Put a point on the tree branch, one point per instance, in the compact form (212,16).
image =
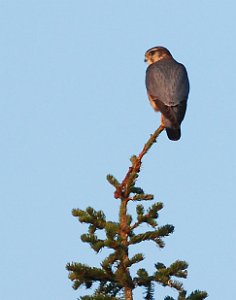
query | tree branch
(123,190)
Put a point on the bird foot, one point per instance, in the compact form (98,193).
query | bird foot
(162,121)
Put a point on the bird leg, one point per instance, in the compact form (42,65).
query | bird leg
(162,121)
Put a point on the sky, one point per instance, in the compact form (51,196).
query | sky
(73,108)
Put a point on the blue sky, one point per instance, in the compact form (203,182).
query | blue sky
(73,108)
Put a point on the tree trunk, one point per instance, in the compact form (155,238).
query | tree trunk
(128,293)
(124,229)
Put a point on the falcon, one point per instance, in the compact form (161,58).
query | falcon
(167,88)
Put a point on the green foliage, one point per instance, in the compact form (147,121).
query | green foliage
(99,297)
(196,295)
(113,181)
(113,278)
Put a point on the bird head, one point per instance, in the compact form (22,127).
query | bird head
(156,53)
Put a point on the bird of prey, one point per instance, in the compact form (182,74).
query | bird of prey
(167,87)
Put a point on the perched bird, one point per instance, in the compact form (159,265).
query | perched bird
(167,87)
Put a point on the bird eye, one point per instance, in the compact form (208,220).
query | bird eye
(152,53)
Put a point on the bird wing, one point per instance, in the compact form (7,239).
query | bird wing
(167,81)
(173,115)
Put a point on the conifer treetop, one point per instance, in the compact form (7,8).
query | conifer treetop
(113,279)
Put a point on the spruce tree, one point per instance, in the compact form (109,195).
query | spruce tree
(113,278)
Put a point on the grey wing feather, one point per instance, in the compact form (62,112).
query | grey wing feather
(167,81)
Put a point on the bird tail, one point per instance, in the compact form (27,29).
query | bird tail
(172,117)
(171,123)
(173,134)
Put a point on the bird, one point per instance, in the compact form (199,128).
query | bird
(167,86)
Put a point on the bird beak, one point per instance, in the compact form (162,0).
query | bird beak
(145,60)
